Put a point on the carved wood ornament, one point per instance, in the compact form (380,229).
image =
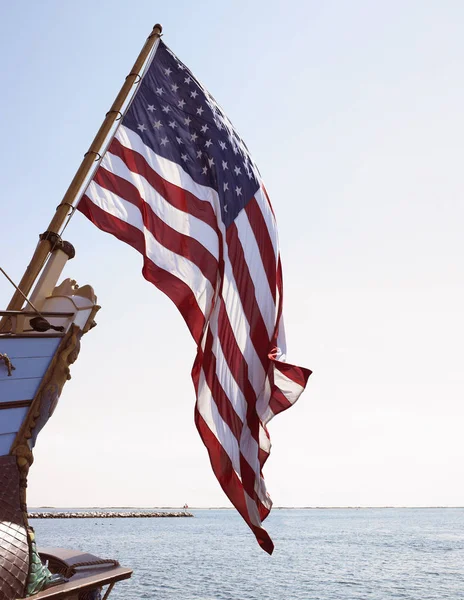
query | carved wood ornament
(15,539)
(43,406)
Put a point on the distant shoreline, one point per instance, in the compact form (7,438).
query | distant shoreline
(139,508)
(106,514)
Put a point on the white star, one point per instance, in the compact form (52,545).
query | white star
(238,171)
(204,129)
(235,150)
(151,107)
(157,124)
(193,94)
(181,67)
(219,125)
(141,127)
(179,140)
(181,103)
(224,165)
(200,111)
(226,186)
(238,191)
(168,71)
(187,121)
(159,91)
(225,207)
(199,153)
(187,80)
(164,141)
(174,88)
(193,137)
(172,124)
(204,170)
(223,145)
(166,109)
(208,143)
(184,157)
(211,161)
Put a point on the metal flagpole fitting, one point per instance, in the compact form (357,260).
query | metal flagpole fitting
(43,248)
(157,31)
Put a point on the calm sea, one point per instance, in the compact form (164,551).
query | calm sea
(320,554)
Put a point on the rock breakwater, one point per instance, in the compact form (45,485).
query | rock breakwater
(107,515)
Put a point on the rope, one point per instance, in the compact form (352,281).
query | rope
(70,216)
(8,363)
(37,323)
(23,295)
(91,563)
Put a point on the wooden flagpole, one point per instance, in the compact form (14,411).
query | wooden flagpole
(47,240)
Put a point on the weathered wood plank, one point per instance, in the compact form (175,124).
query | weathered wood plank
(15,404)
(81,582)
(18,389)
(5,443)
(25,368)
(29,347)
(11,419)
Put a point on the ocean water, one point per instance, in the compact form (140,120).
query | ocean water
(320,554)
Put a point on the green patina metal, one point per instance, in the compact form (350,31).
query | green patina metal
(39,577)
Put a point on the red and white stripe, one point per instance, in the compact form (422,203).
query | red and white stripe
(227,284)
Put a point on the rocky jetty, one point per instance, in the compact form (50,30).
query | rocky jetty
(107,515)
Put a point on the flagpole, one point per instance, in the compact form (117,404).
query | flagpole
(52,233)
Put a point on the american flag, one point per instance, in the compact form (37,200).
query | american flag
(179,185)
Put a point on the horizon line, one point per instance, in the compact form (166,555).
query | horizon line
(273,508)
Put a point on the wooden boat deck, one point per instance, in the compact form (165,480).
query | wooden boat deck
(81,577)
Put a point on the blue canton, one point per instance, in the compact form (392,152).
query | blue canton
(178,119)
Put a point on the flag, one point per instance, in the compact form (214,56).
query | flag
(179,185)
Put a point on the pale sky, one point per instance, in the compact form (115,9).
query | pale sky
(354,113)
